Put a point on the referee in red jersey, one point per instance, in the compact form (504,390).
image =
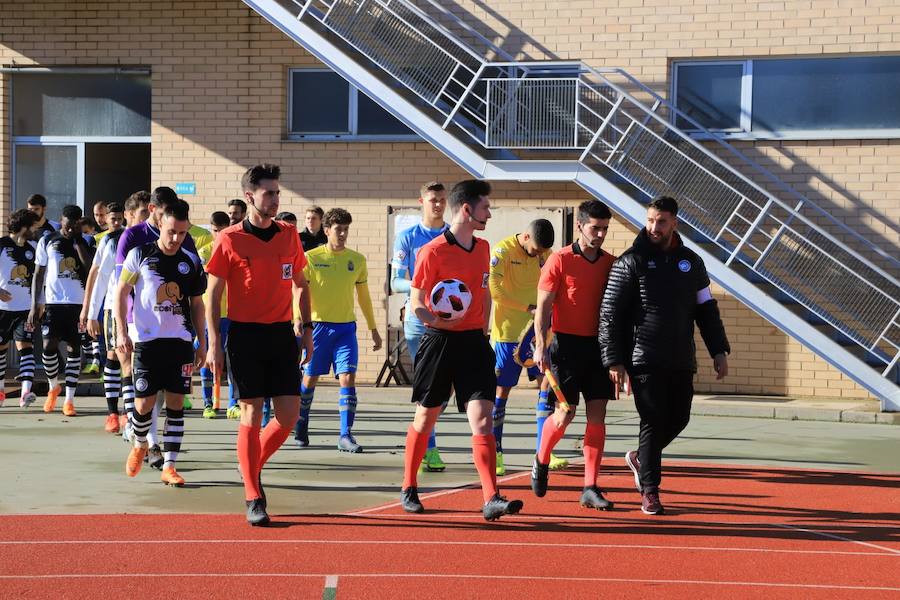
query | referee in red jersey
(456,354)
(261,261)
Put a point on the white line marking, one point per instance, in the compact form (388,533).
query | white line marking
(824,586)
(837,537)
(333,542)
(331,581)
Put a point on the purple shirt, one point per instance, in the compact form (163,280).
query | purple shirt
(138,235)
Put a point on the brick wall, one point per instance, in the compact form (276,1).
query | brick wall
(219,105)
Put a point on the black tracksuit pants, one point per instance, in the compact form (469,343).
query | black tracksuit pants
(663,401)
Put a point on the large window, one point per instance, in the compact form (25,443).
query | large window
(847,97)
(324,106)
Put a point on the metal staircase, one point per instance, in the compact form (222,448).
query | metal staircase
(783,256)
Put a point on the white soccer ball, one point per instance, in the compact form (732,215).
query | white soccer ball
(450,299)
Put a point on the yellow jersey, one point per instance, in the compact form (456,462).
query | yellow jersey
(201,237)
(513,283)
(333,277)
(205,253)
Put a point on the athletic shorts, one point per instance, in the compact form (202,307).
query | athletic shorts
(163,365)
(61,323)
(263,359)
(578,367)
(12,326)
(109,330)
(506,368)
(334,347)
(454,360)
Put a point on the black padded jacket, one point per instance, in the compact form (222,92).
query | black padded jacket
(650,306)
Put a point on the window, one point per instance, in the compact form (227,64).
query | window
(847,97)
(323,105)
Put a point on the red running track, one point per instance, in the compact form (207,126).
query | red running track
(730,531)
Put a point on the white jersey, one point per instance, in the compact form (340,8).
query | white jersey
(104,292)
(64,281)
(16,273)
(163,288)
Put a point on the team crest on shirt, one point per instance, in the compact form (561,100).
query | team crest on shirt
(484,279)
(495,260)
(400,255)
(684,266)
(187,370)
(350,266)
(287,271)
(45,330)
(29,254)
(184,268)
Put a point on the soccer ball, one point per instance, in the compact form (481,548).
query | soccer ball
(450,299)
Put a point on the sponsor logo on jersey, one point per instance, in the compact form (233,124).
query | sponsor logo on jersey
(350,266)
(19,275)
(168,296)
(68,268)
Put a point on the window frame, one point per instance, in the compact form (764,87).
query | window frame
(745,132)
(352,117)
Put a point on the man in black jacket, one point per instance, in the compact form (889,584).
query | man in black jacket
(657,290)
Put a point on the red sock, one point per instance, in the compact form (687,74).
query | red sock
(416,445)
(272,438)
(248,450)
(484,453)
(594,438)
(549,439)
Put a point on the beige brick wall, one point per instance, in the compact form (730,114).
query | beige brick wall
(219,105)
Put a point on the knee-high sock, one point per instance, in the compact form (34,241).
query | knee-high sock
(549,438)
(173,433)
(542,410)
(499,416)
(112,384)
(484,454)
(140,425)
(248,452)
(51,367)
(95,352)
(272,438)
(73,369)
(128,395)
(26,369)
(594,439)
(347,407)
(416,444)
(3,354)
(432,438)
(153,434)
(85,346)
(206,385)
(306,400)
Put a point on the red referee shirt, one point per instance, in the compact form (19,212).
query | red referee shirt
(579,285)
(259,273)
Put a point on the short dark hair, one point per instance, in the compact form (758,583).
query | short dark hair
(21,218)
(163,196)
(137,200)
(468,192)
(593,209)
(115,207)
(253,175)
(72,212)
(219,219)
(337,216)
(103,203)
(315,209)
(238,202)
(178,209)
(431,186)
(541,230)
(286,216)
(36,200)
(665,204)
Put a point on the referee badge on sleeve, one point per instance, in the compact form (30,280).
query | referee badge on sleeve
(484,279)
(287,271)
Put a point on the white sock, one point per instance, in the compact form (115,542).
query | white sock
(26,386)
(153,434)
(70,394)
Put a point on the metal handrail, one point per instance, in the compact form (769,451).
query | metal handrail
(742,217)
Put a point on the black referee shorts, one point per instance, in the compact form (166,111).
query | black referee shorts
(576,363)
(263,358)
(454,360)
